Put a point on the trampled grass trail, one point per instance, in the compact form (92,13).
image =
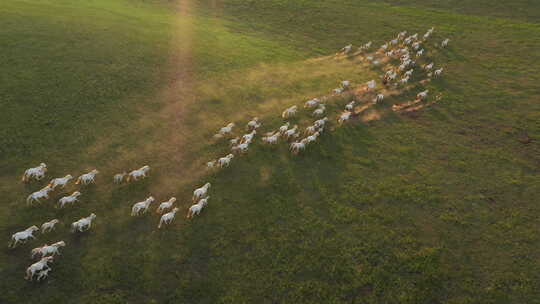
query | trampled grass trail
(177,93)
(166,147)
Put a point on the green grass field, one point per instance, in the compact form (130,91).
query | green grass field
(438,206)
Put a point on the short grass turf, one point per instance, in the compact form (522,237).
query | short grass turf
(436,207)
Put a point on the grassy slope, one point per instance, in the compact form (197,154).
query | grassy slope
(526,10)
(437,208)
(464,164)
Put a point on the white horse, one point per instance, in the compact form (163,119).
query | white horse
(346,49)
(83,224)
(70,199)
(225,130)
(422,95)
(296,147)
(344,117)
(289,112)
(46,250)
(291,132)
(311,103)
(321,122)
(271,139)
(201,192)
(38,195)
(319,111)
(49,226)
(350,106)
(438,72)
(371,84)
(247,138)
(225,161)
(142,206)
(166,205)
(284,128)
(234,141)
(38,266)
(60,181)
(167,218)
(196,209)
(119,178)
(36,173)
(445,42)
(211,164)
(139,173)
(428,67)
(23,236)
(87,178)
(253,124)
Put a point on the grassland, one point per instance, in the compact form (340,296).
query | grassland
(436,207)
